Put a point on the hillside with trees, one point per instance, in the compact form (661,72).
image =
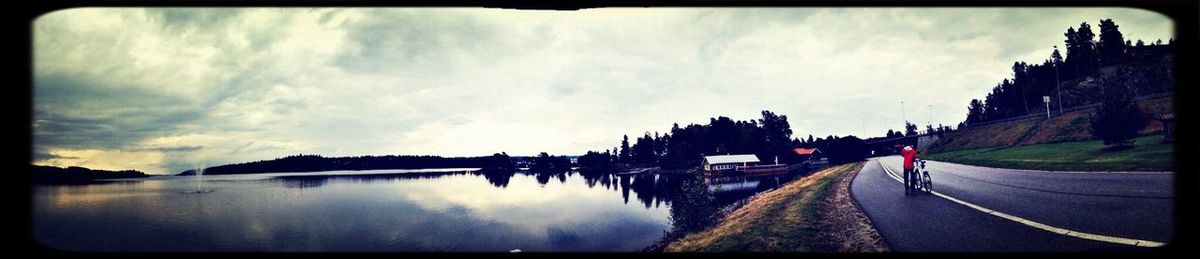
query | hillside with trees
(316,163)
(1090,65)
(75,174)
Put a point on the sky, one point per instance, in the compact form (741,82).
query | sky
(162,90)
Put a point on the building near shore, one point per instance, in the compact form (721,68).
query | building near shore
(808,153)
(811,156)
(729,162)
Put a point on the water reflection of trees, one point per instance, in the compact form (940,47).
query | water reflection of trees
(650,190)
(693,200)
(313,181)
(497,178)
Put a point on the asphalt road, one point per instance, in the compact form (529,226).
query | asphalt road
(1126,205)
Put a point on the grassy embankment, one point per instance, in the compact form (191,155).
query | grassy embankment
(1148,154)
(806,215)
(1061,143)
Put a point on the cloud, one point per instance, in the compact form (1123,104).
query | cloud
(167,89)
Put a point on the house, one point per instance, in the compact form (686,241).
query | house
(811,155)
(729,162)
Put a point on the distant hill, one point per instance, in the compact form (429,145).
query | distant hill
(75,174)
(1069,127)
(315,163)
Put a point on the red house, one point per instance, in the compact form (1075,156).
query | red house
(810,155)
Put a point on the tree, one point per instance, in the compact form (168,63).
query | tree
(910,129)
(1081,50)
(500,162)
(777,133)
(974,112)
(1072,48)
(624,155)
(1112,43)
(846,149)
(660,144)
(1118,119)
(643,151)
(1020,70)
(595,162)
(1056,57)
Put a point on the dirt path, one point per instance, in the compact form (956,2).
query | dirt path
(848,228)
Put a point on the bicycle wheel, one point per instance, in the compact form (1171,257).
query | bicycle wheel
(927,182)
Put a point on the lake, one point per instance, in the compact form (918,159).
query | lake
(382,211)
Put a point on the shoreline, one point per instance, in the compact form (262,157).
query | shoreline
(813,214)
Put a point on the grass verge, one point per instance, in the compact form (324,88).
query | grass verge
(802,216)
(1148,154)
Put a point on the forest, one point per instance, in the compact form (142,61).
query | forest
(1091,65)
(769,138)
(315,163)
(75,174)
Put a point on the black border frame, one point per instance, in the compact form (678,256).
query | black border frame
(1183,12)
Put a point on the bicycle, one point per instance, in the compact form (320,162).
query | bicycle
(923,182)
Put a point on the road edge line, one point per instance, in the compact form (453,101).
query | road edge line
(1035,224)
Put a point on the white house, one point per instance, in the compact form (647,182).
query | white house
(728,162)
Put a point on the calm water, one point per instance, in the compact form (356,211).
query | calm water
(383,210)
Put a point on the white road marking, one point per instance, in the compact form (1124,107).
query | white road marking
(1035,224)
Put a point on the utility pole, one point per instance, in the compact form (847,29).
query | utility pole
(885,122)
(1058,84)
(864,126)
(1100,72)
(930,121)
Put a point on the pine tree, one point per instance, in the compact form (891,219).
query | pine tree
(1118,119)
(624,156)
(1112,43)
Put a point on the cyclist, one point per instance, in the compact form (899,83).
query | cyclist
(910,155)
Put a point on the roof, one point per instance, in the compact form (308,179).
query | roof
(806,151)
(726,159)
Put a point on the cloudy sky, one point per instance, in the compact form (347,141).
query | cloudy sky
(163,90)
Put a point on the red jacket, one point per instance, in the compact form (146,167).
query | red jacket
(909,154)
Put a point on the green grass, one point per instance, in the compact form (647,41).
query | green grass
(1068,127)
(781,220)
(1148,154)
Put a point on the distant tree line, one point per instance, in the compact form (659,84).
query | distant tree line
(840,149)
(911,130)
(1076,77)
(769,138)
(75,174)
(544,162)
(315,163)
